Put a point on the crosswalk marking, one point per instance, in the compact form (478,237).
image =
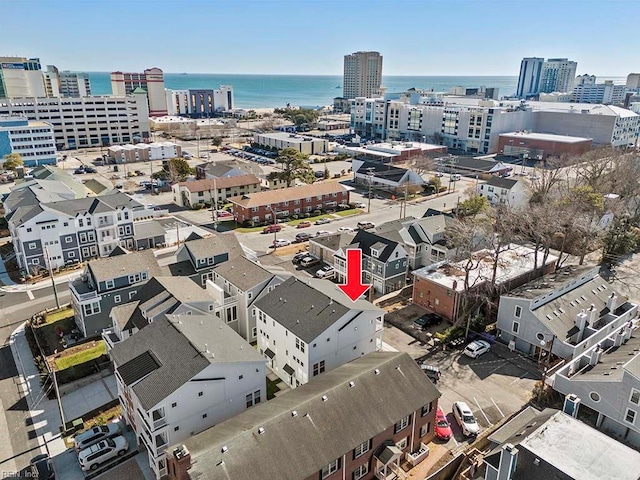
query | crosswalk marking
(30,295)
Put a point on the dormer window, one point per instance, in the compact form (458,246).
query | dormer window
(375,253)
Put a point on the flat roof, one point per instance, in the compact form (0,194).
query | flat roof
(546,137)
(290,137)
(613,361)
(553,281)
(514,262)
(580,451)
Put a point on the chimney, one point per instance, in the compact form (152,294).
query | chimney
(618,338)
(612,302)
(596,353)
(571,405)
(593,315)
(581,321)
(508,462)
(627,331)
(179,462)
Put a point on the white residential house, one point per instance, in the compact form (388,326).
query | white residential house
(73,230)
(308,327)
(504,192)
(243,282)
(565,313)
(181,375)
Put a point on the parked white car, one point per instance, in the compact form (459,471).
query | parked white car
(325,272)
(345,229)
(477,348)
(91,457)
(465,419)
(95,434)
(360,205)
(281,242)
(321,233)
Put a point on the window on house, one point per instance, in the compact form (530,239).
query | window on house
(402,424)
(635,396)
(253,399)
(32,246)
(109,284)
(630,416)
(426,409)
(254,332)
(132,294)
(515,327)
(318,368)
(204,415)
(402,444)
(361,471)
(117,299)
(175,429)
(361,449)
(330,469)
(200,394)
(518,312)
(174,405)
(425,429)
(91,308)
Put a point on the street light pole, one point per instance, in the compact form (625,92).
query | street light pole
(370,173)
(275,230)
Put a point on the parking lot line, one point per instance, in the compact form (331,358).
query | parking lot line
(482,411)
(497,407)
(519,378)
(30,295)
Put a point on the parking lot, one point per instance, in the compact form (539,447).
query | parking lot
(494,385)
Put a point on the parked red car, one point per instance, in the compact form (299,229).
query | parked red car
(443,427)
(304,224)
(272,228)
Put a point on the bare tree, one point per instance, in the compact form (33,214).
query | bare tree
(549,176)
(421,164)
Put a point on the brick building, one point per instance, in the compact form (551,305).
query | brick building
(188,194)
(542,145)
(260,207)
(441,287)
(359,422)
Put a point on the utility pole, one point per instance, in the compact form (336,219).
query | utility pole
(214,205)
(53,281)
(370,174)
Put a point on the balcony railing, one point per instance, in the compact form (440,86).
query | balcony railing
(159,424)
(230,300)
(82,294)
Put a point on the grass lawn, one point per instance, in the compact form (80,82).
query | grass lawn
(272,389)
(59,315)
(248,229)
(81,354)
(351,211)
(49,340)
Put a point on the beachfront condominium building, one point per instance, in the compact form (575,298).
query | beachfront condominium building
(199,103)
(66,84)
(151,81)
(362,74)
(587,90)
(529,79)
(558,75)
(21,77)
(86,121)
(633,81)
(33,140)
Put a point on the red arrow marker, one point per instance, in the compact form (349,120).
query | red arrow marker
(354,287)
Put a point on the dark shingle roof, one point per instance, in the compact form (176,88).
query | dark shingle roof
(366,240)
(243,273)
(335,241)
(180,348)
(150,229)
(104,203)
(307,308)
(386,387)
(383,170)
(501,182)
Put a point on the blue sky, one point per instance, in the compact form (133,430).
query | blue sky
(447,37)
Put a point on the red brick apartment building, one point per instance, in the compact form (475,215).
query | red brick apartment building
(261,206)
(358,421)
(441,288)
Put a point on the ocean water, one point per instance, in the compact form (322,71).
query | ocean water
(267,91)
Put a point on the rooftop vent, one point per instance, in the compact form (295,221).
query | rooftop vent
(324,398)
(294,414)
(352,384)
(260,430)
(376,371)
(224,449)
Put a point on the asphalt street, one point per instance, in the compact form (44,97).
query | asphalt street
(19,443)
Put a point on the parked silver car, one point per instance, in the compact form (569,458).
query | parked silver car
(91,457)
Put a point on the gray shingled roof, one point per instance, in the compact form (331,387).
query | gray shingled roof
(121,314)
(296,447)
(178,345)
(149,229)
(104,203)
(334,242)
(122,265)
(243,273)
(214,245)
(307,308)
(366,240)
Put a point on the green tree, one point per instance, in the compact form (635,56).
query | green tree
(13,161)
(299,116)
(216,141)
(327,173)
(294,165)
(435,183)
(472,206)
(175,170)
